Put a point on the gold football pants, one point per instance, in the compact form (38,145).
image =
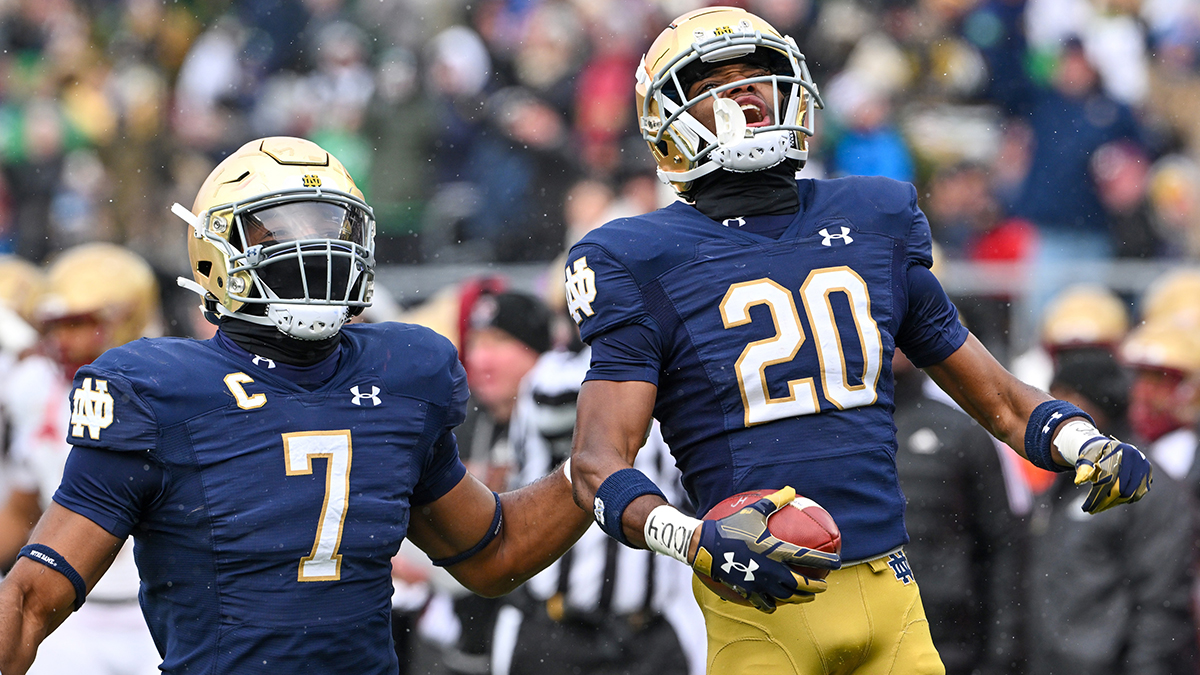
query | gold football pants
(869,622)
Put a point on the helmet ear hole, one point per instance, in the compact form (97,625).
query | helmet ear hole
(204,267)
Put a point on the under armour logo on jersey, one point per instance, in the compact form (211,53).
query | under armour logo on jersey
(827,239)
(739,221)
(731,564)
(581,290)
(373,397)
(93,408)
(1046,429)
(259,359)
(899,564)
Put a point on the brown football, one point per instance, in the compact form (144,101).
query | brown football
(802,522)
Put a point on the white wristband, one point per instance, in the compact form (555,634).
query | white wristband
(1072,436)
(566,467)
(669,532)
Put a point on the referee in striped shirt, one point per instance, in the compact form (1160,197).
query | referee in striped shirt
(602,608)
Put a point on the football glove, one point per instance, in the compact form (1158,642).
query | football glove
(1119,474)
(740,552)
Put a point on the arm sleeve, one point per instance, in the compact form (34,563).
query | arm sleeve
(919,248)
(111,489)
(930,331)
(443,469)
(602,294)
(108,413)
(630,352)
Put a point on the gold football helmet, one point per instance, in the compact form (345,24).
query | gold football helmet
(102,281)
(1085,314)
(1163,345)
(1175,296)
(683,147)
(21,285)
(282,237)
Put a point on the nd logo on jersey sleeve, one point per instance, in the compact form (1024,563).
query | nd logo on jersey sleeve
(92,409)
(581,289)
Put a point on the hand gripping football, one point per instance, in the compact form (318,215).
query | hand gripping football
(802,522)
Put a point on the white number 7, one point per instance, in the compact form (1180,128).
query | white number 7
(299,449)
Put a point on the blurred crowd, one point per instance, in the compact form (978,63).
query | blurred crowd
(1037,131)
(499,130)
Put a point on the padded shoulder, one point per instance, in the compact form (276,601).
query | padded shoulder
(157,359)
(649,244)
(874,204)
(412,361)
(116,400)
(608,269)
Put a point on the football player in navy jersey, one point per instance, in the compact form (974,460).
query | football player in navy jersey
(268,475)
(756,320)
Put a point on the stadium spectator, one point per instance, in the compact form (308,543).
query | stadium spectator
(1121,170)
(1164,401)
(508,332)
(1070,121)
(1128,610)
(961,531)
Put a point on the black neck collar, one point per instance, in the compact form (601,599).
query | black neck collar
(723,194)
(267,341)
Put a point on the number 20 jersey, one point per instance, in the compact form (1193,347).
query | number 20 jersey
(267,548)
(775,360)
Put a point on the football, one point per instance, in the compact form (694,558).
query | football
(802,522)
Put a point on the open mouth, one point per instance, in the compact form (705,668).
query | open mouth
(756,111)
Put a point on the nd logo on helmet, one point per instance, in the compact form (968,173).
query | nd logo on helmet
(312,180)
(93,409)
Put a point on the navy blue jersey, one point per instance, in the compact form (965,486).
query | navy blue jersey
(774,361)
(265,546)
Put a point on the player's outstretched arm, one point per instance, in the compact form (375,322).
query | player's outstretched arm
(1049,433)
(535,526)
(36,596)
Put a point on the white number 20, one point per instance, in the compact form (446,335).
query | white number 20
(789,337)
(324,563)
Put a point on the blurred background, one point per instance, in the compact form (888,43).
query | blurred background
(491,134)
(1055,146)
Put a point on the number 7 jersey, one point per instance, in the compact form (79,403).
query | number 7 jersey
(265,533)
(772,357)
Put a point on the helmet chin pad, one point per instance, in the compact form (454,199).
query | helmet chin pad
(762,151)
(307,322)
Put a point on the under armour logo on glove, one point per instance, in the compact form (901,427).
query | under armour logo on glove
(827,238)
(373,397)
(731,564)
